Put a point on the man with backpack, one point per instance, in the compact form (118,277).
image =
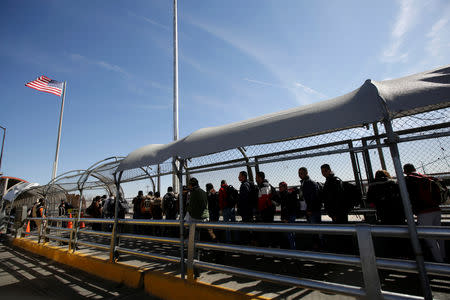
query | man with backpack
(137,209)
(146,206)
(227,201)
(334,196)
(309,192)
(169,204)
(247,198)
(425,197)
(38,211)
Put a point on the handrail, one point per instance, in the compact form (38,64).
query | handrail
(329,229)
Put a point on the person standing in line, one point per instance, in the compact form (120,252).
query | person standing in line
(245,203)
(137,201)
(227,208)
(169,204)
(334,197)
(309,192)
(425,199)
(156,210)
(169,208)
(213,203)
(266,207)
(289,208)
(384,195)
(266,210)
(197,208)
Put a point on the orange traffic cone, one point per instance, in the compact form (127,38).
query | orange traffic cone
(28,228)
(82,225)
(70,224)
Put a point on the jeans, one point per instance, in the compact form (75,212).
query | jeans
(436,247)
(316,218)
(229,215)
(291,235)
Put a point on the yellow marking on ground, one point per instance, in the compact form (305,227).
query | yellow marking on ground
(154,282)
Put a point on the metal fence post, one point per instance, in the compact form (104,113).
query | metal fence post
(191,251)
(180,182)
(355,166)
(112,248)
(367,161)
(247,162)
(380,150)
(368,262)
(77,223)
(393,147)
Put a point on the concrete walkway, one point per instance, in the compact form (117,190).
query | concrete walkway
(27,276)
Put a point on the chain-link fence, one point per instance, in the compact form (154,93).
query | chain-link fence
(353,154)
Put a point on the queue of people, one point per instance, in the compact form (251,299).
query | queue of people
(257,202)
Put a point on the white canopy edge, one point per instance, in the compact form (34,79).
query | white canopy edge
(18,189)
(372,102)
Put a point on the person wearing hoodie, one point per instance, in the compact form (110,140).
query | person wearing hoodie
(266,207)
(334,196)
(265,210)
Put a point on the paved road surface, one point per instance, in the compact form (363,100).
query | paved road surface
(27,276)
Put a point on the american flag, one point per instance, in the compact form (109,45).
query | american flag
(45,84)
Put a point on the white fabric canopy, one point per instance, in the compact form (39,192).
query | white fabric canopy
(373,101)
(19,188)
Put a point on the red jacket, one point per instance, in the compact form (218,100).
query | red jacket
(223,196)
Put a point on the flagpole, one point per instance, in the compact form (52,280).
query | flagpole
(55,163)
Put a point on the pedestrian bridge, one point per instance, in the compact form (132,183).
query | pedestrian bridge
(359,260)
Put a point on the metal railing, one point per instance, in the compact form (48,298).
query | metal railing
(364,233)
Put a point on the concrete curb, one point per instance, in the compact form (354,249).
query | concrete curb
(153,282)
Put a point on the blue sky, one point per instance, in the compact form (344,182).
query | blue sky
(237,60)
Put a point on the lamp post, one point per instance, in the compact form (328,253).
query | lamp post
(3,144)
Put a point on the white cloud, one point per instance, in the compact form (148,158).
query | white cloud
(136,85)
(439,37)
(153,106)
(260,53)
(264,83)
(212,102)
(150,21)
(405,21)
(310,90)
(294,86)
(100,63)
(111,67)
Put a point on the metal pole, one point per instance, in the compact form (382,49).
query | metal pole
(355,166)
(77,223)
(380,150)
(175,90)
(180,178)
(117,178)
(392,141)
(159,178)
(3,144)
(55,163)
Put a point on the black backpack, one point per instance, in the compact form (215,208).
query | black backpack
(254,192)
(169,203)
(232,196)
(352,195)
